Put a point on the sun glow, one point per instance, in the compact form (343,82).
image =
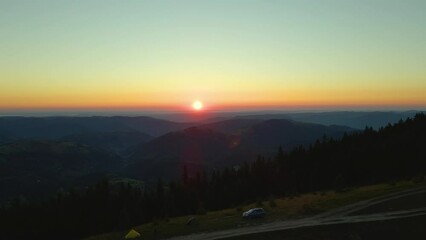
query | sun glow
(197,105)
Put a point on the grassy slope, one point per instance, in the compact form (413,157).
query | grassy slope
(286,208)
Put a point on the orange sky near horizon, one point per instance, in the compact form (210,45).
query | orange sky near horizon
(238,100)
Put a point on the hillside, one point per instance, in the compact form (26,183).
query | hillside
(268,135)
(231,126)
(115,142)
(43,166)
(196,148)
(222,144)
(392,154)
(353,119)
(40,168)
(58,127)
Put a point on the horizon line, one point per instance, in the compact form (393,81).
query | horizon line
(136,112)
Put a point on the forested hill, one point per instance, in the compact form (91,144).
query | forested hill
(34,169)
(391,153)
(222,144)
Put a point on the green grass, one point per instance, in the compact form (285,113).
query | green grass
(286,208)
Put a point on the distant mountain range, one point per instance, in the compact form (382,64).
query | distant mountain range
(43,154)
(57,127)
(353,119)
(358,120)
(14,128)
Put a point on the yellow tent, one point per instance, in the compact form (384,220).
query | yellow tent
(132,234)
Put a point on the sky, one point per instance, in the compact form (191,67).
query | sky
(83,54)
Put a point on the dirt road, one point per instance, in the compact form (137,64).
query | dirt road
(344,215)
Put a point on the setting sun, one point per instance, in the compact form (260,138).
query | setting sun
(197,105)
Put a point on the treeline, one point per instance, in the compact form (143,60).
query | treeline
(392,153)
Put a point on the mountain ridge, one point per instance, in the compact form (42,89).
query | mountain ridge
(202,148)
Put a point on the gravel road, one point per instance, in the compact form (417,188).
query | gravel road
(343,215)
